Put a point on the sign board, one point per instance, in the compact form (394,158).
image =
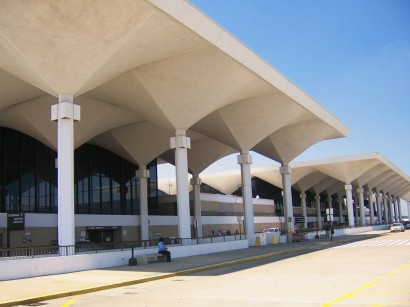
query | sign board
(299,219)
(15,221)
(329,211)
(330,218)
(240,219)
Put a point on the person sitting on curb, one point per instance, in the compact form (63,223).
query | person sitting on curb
(162,249)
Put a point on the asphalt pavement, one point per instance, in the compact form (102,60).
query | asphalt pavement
(33,290)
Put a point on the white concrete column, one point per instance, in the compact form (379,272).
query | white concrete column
(393,208)
(329,202)
(371,208)
(318,214)
(245,160)
(408,208)
(386,213)
(285,171)
(196,184)
(181,143)
(393,213)
(399,208)
(65,113)
(143,174)
(379,199)
(304,209)
(340,209)
(360,192)
(349,203)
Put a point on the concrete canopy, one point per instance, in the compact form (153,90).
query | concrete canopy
(142,69)
(370,171)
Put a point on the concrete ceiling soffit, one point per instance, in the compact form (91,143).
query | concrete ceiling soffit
(402,191)
(406,197)
(155,38)
(126,91)
(143,141)
(378,182)
(15,91)
(335,187)
(309,181)
(299,172)
(204,151)
(81,35)
(245,123)
(190,86)
(98,117)
(392,185)
(33,118)
(225,183)
(347,171)
(270,175)
(368,176)
(324,184)
(12,62)
(186,14)
(291,140)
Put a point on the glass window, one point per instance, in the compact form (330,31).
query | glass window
(117,185)
(105,166)
(28,195)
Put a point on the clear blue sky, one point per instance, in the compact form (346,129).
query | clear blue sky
(351,56)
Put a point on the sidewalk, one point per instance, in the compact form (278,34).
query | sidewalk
(31,290)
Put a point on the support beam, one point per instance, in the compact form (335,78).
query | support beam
(349,202)
(285,171)
(371,207)
(304,209)
(360,192)
(65,113)
(245,161)
(181,143)
(196,184)
(318,213)
(143,175)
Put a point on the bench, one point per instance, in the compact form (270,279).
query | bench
(147,258)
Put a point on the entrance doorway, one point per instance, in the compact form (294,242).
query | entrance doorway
(103,234)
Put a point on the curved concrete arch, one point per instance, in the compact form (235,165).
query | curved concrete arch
(309,181)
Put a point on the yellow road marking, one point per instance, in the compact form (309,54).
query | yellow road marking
(68,303)
(368,285)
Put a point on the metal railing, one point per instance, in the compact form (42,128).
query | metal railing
(93,248)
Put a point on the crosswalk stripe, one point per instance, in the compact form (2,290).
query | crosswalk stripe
(376,243)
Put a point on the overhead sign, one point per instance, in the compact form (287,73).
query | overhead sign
(15,221)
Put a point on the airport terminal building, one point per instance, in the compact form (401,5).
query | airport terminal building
(95,95)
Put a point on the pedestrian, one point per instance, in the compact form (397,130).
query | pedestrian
(327,229)
(162,249)
(332,232)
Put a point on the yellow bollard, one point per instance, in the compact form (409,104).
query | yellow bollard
(274,241)
(258,241)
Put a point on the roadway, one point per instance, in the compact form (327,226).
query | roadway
(366,270)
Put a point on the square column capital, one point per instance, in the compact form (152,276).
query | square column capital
(196,181)
(180,141)
(142,173)
(65,110)
(245,158)
(285,170)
